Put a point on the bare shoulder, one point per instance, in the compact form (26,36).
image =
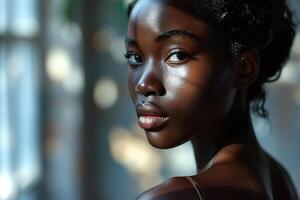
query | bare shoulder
(175,188)
(212,188)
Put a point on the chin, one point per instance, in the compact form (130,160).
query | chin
(161,141)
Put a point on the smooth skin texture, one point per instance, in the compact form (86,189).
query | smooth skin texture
(179,65)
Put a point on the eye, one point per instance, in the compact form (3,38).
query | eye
(178,57)
(133,58)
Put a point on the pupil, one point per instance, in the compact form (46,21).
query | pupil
(137,58)
(181,56)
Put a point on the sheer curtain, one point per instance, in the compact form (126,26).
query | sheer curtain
(19,98)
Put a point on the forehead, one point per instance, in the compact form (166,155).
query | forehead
(157,16)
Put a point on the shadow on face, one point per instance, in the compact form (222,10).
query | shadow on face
(179,77)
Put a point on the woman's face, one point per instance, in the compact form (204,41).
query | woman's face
(179,78)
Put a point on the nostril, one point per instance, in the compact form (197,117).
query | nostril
(149,93)
(144,89)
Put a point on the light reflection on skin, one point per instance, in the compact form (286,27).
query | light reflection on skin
(152,16)
(148,72)
(176,77)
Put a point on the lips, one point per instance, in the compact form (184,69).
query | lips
(150,117)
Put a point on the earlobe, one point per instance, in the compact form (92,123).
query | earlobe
(247,68)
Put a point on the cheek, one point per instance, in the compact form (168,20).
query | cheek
(187,87)
(132,79)
(199,95)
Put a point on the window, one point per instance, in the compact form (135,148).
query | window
(20,68)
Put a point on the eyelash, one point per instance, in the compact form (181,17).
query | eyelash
(129,55)
(179,52)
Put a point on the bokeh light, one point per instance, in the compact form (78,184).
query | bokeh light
(134,153)
(106,40)
(58,64)
(105,93)
(70,34)
(103,39)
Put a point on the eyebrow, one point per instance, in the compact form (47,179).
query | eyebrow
(167,35)
(178,33)
(130,41)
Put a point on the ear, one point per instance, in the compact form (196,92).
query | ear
(247,68)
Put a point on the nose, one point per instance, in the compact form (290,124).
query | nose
(150,82)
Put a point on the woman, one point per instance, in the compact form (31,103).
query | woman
(197,70)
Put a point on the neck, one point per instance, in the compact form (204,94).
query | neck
(234,131)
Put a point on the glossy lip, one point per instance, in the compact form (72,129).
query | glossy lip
(151,118)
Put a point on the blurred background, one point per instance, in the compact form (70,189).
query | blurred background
(68,130)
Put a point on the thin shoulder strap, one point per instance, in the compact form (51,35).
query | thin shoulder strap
(196,186)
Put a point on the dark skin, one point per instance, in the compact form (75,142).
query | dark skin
(179,66)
